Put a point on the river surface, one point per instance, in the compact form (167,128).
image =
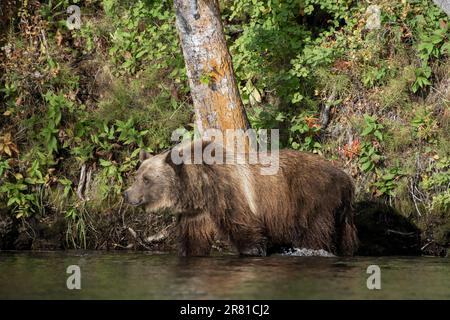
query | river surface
(141,275)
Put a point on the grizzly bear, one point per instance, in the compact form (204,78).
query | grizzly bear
(306,204)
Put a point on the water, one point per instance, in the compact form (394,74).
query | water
(140,275)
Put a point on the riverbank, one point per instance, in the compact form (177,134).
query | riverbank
(381,230)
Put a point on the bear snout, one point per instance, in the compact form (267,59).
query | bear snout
(130,199)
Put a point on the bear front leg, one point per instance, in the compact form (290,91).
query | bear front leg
(249,241)
(258,251)
(195,234)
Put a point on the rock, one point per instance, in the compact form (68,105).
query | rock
(373,14)
(444,5)
(382,231)
(8,231)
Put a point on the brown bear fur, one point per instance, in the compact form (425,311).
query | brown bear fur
(307,204)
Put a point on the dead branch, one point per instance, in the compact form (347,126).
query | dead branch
(326,110)
(82,182)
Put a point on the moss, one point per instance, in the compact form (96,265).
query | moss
(394,94)
(403,201)
(333,83)
(442,232)
(397,139)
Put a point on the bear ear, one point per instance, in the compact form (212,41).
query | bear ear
(144,155)
(170,162)
(175,156)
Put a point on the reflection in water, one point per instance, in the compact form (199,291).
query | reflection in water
(238,277)
(131,275)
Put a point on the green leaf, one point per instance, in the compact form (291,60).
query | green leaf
(378,135)
(389,176)
(105,163)
(366,166)
(367,131)
(11,201)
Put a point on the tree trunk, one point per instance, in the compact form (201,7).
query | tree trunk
(214,91)
(444,5)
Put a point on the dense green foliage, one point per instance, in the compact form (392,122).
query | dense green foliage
(93,97)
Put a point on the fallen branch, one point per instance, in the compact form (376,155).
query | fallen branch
(82,182)
(160,236)
(87,183)
(406,234)
(326,110)
(133,233)
(129,246)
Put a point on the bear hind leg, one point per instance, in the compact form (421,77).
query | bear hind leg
(347,235)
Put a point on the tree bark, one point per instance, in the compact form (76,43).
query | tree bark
(213,85)
(444,5)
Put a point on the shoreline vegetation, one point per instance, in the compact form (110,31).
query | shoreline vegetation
(76,107)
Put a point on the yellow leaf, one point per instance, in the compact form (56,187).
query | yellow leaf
(7,151)
(18,176)
(59,38)
(43,49)
(7,113)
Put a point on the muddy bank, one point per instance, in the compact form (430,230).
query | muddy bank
(111,230)
(382,232)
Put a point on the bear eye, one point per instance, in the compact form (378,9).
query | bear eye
(146,180)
